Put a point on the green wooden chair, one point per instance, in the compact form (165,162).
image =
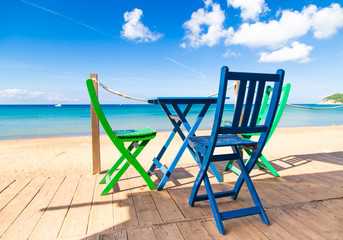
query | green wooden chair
(138,138)
(263,163)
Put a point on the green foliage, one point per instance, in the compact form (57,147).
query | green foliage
(337,98)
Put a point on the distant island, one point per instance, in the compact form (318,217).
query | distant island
(333,99)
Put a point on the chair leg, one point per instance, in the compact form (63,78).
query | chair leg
(202,176)
(214,206)
(269,166)
(115,166)
(130,160)
(133,161)
(229,166)
(264,164)
(249,166)
(197,181)
(114,180)
(252,191)
(112,170)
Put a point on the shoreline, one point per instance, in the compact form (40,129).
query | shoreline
(61,156)
(104,134)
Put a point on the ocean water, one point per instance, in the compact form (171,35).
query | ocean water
(34,121)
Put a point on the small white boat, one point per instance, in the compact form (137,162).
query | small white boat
(58,105)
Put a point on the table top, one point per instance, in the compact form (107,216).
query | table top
(183,100)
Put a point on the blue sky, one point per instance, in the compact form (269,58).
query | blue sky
(165,48)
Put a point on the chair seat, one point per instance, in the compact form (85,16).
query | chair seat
(201,143)
(139,134)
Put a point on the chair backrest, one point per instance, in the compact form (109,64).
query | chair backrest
(282,105)
(95,102)
(248,104)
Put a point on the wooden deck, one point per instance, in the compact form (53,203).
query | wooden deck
(305,203)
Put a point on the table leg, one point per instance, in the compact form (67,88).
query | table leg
(170,138)
(195,126)
(191,132)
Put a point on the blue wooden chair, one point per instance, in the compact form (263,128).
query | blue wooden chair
(245,120)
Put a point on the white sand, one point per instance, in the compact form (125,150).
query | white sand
(73,155)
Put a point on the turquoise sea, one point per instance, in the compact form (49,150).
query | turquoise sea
(34,121)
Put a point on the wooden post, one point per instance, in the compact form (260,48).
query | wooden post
(95,132)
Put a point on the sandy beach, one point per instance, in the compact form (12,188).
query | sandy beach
(29,158)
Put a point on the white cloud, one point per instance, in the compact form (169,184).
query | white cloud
(250,9)
(23,94)
(274,33)
(230,53)
(134,29)
(291,25)
(326,21)
(297,52)
(206,27)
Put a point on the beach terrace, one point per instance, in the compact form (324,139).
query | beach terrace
(45,199)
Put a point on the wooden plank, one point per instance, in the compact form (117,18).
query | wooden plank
(269,194)
(325,229)
(76,221)
(5,184)
(101,214)
(114,236)
(288,188)
(312,187)
(167,232)
(52,219)
(141,234)
(326,213)
(242,229)
(95,237)
(95,132)
(211,228)
(23,226)
(272,231)
(123,208)
(181,198)
(292,225)
(13,209)
(330,181)
(11,191)
(279,190)
(335,204)
(166,206)
(145,206)
(193,230)
(183,179)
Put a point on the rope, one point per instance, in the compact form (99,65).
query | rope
(214,94)
(320,108)
(139,99)
(118,93)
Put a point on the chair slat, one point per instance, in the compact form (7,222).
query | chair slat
(229,130)
(257,104)
(248,104)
